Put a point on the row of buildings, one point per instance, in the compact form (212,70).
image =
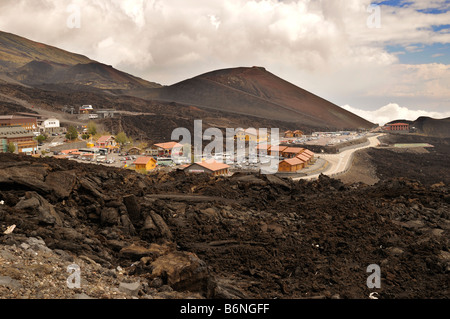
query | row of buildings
(251,135)
(156,150)
(21,129)
(211,167)
(397,127)
(294,159)
(293,134)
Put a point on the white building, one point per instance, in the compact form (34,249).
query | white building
(50,125)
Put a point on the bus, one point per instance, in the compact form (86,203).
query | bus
(165,161)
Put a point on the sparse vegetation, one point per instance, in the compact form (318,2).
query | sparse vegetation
(72,133)
(122,139)
(11,148)
(92,128)
(41,138)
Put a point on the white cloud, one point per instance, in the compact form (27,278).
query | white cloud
(393,112)
(325,46)
(412,81)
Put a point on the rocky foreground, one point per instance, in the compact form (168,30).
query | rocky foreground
(248,236)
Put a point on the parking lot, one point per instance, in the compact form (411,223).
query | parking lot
(324,140)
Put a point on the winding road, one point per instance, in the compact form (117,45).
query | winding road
(338,163)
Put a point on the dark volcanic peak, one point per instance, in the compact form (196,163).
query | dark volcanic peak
(34,63)
(429,126)
(433,127)
(257,92)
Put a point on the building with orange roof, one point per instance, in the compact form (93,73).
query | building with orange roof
(210,167)
(146,163)
(107,142)
(263,149)
(304,157)
(309,154)
(277,148)
(66,152)
(291,165)
(76,153)
(165,149)
(291,152)
(60,156)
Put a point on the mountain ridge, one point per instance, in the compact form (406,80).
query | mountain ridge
(249,91)
(255,91)
(34,63)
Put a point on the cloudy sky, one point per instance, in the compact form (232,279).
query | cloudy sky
(383,60)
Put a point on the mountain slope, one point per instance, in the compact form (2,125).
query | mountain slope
(241,91)
(34,63)
(256,92)
(17,51)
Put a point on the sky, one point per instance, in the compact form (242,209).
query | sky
(382,60)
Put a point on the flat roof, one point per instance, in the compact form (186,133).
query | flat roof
(29,115)
(15,131)
(16,117)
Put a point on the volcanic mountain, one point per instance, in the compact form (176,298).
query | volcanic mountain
(257,92)
(238,92)
(34,63)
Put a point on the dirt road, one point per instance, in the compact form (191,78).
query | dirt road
(338,163)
